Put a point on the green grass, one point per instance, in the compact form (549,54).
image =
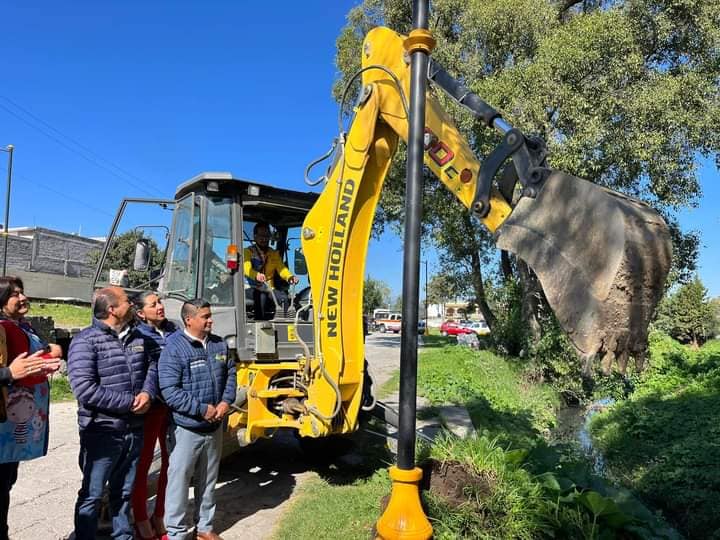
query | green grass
(436,340)
(514,506)
(60,389)
(528,489)
(64,315)
(348,509)
(664,441)
(389,387)
(323,510)
(500,401)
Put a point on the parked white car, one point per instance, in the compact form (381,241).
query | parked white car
(479,327)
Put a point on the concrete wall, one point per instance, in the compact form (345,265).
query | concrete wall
(52,252)
(52,264)
(19,253)
(43,285)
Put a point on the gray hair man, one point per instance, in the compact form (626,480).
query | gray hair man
(114,381)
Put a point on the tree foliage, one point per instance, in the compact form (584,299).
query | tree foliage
(715,305)
(441,290)
(625,93)
(687,314)
(376,294)
(121,256)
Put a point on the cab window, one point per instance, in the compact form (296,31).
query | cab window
(217,278)
(182,268)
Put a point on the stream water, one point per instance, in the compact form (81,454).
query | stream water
(574,427)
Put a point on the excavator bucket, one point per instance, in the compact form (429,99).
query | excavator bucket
(602,259)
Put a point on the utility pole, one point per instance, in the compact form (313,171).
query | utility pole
(427,326)
(9,149)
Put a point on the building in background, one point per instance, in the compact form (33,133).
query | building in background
(52,264)
(453,311)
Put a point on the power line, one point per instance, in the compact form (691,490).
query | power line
(74,141)
(87,154)
(63,195)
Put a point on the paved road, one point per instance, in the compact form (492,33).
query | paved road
(255,487)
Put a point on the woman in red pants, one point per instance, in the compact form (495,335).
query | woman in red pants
(153,324)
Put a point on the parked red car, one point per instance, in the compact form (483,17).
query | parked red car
(452,328)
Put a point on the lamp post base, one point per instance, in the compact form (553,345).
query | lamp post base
(404,518)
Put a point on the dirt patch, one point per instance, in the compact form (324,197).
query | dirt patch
(455,482)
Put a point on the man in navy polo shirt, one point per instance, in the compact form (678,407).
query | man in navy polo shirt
(197,381)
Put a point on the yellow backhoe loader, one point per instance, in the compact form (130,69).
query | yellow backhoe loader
(602,257)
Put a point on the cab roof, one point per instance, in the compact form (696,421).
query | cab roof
(224,183)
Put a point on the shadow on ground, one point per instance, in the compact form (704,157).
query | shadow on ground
(258,477)
(510,427)
(262,475)
(385,340)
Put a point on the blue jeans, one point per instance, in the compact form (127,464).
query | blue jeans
(193,456)
(106,457)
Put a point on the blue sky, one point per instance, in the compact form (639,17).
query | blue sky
(145,95)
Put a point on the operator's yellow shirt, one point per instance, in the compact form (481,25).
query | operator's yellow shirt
(268,263)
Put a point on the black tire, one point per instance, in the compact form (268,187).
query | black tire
(381,328)
(443,333)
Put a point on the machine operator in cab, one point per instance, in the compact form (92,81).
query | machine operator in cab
(261,264)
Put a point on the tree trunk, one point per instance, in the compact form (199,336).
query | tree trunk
(531,300)
(565,7)
(506,266)
(479,289)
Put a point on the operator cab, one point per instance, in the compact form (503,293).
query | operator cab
(211,230)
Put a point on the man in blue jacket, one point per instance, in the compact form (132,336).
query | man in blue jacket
(114,382)
(197,381)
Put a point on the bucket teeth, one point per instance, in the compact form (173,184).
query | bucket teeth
(607,362)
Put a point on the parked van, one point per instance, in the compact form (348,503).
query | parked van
(390,322)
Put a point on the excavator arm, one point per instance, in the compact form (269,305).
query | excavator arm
(601,257)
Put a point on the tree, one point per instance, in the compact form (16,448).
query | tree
(625,94)
(443,288)
(376,294)
(121,256)
(687,315)
(439,290)
(715,305)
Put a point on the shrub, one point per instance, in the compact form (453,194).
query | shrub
(509,332)
(554,356)
(662,442)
